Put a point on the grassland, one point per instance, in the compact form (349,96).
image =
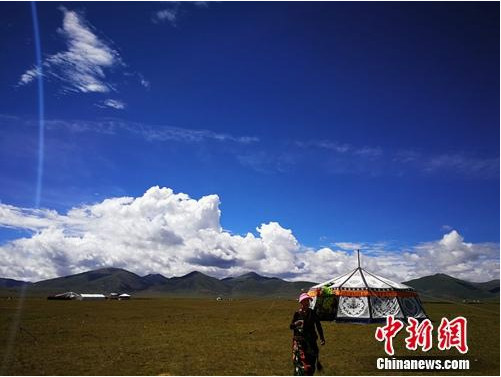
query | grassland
(205,337)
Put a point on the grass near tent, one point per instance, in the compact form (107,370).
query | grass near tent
(205,337)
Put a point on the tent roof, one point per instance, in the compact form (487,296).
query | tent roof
(68,294)
(364,297)
(360,278)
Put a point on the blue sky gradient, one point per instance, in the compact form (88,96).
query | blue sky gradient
(345,122)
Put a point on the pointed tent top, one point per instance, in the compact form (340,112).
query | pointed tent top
(360,278)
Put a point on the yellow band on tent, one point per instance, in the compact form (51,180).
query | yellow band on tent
(362,293)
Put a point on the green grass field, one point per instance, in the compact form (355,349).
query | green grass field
(205,337)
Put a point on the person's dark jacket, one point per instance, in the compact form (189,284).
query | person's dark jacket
(307,331)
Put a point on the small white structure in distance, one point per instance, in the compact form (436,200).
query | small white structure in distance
(124,296)
(91,296)
(65,296)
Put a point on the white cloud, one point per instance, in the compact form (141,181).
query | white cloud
(81,67)
(147,131)
(459,163)
(451,255)
(325,144)
(201,4)
(373,160)
(169,15)
(267,162)
(348,245)
(29,75)
(113,103)
(145,83)
(369,152)
(467,165)
(26,218)
(341,148)
(173,234)
(115,126)
(446,228)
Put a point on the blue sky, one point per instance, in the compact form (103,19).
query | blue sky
(375,124)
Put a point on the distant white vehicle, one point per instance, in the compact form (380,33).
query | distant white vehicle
(124,296)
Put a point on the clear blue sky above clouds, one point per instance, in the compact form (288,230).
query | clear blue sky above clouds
(341,121)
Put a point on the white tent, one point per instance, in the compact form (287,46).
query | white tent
(362,296)
(92,296)
(65,296)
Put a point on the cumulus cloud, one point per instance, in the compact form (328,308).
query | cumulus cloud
(26,218)
(453,256)
(173,234)
(82,66)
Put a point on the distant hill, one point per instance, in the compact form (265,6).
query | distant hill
(247,285)
(491,286)
(442,286)
(11,283)
(252,284)
(155,279)
(194,284)
(197,284)
(105,280)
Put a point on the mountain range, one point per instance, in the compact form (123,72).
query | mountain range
(197,284)
(442,286)
(194,284)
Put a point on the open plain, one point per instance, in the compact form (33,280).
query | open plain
(192,336)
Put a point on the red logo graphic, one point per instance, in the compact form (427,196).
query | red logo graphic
(420,334)
(388,332)
(452,334)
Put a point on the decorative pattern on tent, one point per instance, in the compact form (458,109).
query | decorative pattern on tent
(361,296)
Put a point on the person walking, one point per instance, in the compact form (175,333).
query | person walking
(304,341)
